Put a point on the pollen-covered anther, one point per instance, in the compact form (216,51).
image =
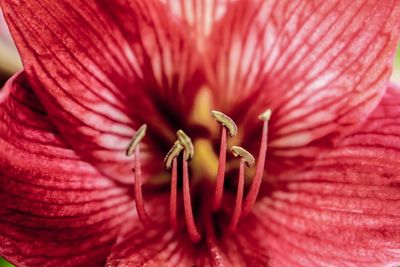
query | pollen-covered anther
(226,121)
(172,154)
(140,133)
(227,124)
(187,144)
(238,151)
(246,158)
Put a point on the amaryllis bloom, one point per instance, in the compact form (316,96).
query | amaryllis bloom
(205,88)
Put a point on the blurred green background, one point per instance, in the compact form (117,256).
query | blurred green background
(4,263)
(395,78)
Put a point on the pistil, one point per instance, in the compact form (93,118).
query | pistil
(257,179)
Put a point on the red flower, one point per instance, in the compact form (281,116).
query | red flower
(95,71)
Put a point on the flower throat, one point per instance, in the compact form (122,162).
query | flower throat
(183,148)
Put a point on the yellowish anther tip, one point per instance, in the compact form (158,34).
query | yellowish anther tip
(187,144)
(226,121)
(266,115)
(238,151)
(172,154)
(140,133)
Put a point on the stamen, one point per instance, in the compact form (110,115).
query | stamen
(239,198)
(173,196)
(248,159)
(257,179)
(172,154)
(226,121)
(194,234)
(238,151)
(140,133)
(143,216)
(229,124)
(186,142)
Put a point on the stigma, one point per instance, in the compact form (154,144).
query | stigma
(180,155)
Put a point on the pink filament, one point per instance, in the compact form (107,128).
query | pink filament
(173,196)
(255,185)
(239,198)
(219,187)
(143,216)
(187,203)
(216,258)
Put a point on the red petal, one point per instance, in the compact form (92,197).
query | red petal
(199,15)
(320,66)
(56,210)
(345,210)
(160,245)
(103,69)
(157,244)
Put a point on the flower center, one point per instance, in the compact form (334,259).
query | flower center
(204,163)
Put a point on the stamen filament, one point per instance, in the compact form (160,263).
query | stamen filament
(143,216)
(219,186)
(173,196)
(257,179)
(194,234)
(239,198)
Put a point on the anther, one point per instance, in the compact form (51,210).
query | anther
(172,154)
(140,133)
(186,142)
(257,179)
(238,151)
(248,159)
(227,123)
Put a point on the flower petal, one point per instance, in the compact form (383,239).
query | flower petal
(344,210)
(199,15)
(160,245)
(320,66)
(56,210)
(153,245)
(103,69)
